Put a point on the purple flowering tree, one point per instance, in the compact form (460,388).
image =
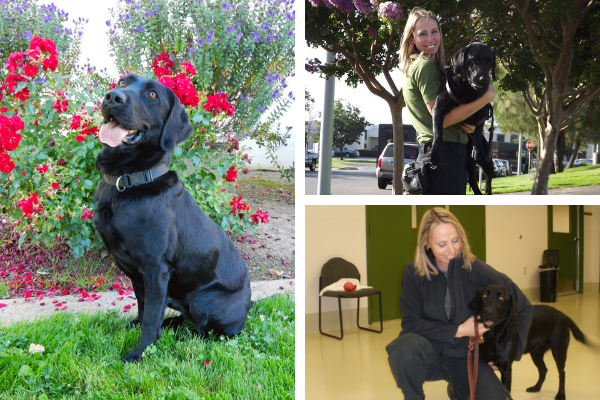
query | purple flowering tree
(367,36)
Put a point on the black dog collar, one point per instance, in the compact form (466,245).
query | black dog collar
(452,96)
(139,178)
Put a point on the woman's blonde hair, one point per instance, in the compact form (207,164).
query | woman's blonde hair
(408,51)
(431,219)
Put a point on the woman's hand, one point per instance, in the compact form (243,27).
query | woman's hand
(466,128)
(467,328)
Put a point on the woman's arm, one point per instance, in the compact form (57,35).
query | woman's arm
(464,111)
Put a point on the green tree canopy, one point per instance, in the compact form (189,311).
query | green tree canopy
(348,124)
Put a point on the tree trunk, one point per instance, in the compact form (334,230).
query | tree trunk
(574,154)
(545,158)
(396,106)
(560,152)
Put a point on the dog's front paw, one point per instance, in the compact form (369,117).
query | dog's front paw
(475,153)
(130,358)
(134,323)
(434,156)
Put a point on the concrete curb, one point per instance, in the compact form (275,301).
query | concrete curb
(30,309)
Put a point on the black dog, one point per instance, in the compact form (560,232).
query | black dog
(465,81)
(549,331)
(175,255)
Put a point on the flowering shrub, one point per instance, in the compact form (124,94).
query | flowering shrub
(236,47)
(48,145)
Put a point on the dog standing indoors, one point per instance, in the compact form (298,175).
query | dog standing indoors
(549,331)
(175,255)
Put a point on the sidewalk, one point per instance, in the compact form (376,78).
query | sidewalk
(21,309)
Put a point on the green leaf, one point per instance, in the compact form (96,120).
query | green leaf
(78,251)
(30,108)
(88,184)
(25,370)
(178,151)
(42,156)
(201,151)
(20,86)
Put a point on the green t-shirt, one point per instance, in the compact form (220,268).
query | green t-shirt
(421,85)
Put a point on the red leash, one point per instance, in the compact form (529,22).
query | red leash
(473,359)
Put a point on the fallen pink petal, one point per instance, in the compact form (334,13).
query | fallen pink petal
(2,305)
(42,303)
(206,364)
(120,298)
(64,308)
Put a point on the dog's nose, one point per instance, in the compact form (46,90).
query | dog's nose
(488,313)
(115,97)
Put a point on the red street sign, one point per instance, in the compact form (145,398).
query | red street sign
(529,145)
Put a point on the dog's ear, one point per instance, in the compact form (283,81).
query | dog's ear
(474,302)
(494,66)
(458,60)
(513,308)
(177,127)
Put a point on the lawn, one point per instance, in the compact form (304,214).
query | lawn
(579,176)
(82,359)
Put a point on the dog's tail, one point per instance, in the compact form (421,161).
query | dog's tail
(577,334)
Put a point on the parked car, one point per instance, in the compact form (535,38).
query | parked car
(499,168)
(347,152)
(385,163)
(507,166)
(310,160)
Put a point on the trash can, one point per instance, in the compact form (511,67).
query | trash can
(548,284)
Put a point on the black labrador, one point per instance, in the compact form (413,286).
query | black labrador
(549,331)
(465,81)
(175,255)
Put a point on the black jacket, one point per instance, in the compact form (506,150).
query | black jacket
(422,304)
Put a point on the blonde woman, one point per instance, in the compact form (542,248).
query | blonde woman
(437,321)
(422,61)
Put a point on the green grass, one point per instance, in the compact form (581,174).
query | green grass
(572,177)
(276,185)
(82,359)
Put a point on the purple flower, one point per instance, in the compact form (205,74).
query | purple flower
(315,3)
(274,94)
(372,31)
(108,23)
(238,37)
(390,12)
(266,26)
(342,5)
(363,6)
(200,42)
(228,29)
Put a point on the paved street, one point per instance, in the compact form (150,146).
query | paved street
(362,181)
(359,181)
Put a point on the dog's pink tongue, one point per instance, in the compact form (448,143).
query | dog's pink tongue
(111,135)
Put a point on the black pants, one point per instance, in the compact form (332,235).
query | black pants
(413,361)
(450,177)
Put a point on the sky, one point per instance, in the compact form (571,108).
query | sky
(373,108)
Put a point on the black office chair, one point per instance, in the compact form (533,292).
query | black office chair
(334,270)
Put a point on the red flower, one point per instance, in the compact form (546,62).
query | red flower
(237,205)
(206,364)
(189,68)
(162,65)
(259,216)
(42,169)
(80,138)
(23,94)
(31,70)
(217,103)
(183,88)
(6,165)
(231,174)
(50,63)
(76,122)
(60,106)
(87,215)
(55,185)
(28,206)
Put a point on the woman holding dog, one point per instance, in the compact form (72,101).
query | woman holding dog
(422,61)
(437,322)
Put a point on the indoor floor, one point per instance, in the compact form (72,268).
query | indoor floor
(357,368)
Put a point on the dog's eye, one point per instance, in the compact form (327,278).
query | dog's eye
(501,298)
(484,296)
(122,83)
(152,94)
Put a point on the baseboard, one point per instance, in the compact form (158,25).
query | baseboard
(330,320)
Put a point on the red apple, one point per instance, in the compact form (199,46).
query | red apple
(349,287)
